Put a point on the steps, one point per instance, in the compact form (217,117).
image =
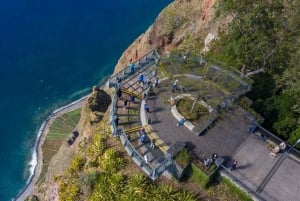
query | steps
(158,142)
(139,96)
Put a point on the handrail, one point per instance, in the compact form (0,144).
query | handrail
(112,113)
(154,53)
(278,140)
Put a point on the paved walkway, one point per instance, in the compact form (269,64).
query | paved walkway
(224,138)
(230,139)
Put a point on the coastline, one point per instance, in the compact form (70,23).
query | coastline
(43,131)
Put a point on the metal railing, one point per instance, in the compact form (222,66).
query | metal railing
(226,76)
(272,137)
(112,113)
(152,172)
(145,61)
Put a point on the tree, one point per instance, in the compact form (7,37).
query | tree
(263,42)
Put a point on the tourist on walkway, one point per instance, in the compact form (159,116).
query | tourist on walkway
(119,84)
(174,86)
(181,122)
(131,66)
(132,98)
(146,158)
(142,131)
(125,104)
(116,119)
(233,165)
(141,78)
(149,83)
(207,162)
(143,138)
(146,107)
(128,137)
(152,145)
(119,93)
(214,156)
(156,82)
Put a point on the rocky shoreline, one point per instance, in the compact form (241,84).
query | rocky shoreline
(26,191)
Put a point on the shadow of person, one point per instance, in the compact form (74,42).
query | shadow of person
(244,166)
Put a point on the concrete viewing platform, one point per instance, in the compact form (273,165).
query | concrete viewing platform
(262,176)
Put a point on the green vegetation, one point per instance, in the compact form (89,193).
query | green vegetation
(183,158)
(262,42)
(64,125)
(247,106)
(235,191)
(97,173)
(184,106)
(60,130)
(216,187)
(198,176)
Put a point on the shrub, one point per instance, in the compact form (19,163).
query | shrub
(77,163)
(199,176)
(183,158)
(235,190)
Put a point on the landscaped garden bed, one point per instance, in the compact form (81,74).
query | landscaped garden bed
(186,109)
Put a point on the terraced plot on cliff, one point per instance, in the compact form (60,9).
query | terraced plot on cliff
(59,132)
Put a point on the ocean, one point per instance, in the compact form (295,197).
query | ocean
(51,53)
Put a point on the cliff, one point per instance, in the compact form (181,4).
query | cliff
(184,25)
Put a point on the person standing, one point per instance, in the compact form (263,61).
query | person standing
(143,139)
(146,158)
(233,165)
(156,81)
(132,98)
(131,67)
(116,119)
(175,84)
(125,104)
(146,107)
(141,78)
(152,144)
(142,131)
(180,122)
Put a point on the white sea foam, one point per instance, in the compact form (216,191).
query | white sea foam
(33,162)
(80,93)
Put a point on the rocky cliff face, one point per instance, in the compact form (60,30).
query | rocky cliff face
(184,24)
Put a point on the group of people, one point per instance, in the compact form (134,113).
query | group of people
(142,80)
(208,161)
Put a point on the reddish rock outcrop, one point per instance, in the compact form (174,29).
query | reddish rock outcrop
(176,27)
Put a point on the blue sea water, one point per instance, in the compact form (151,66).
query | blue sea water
(51,53)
